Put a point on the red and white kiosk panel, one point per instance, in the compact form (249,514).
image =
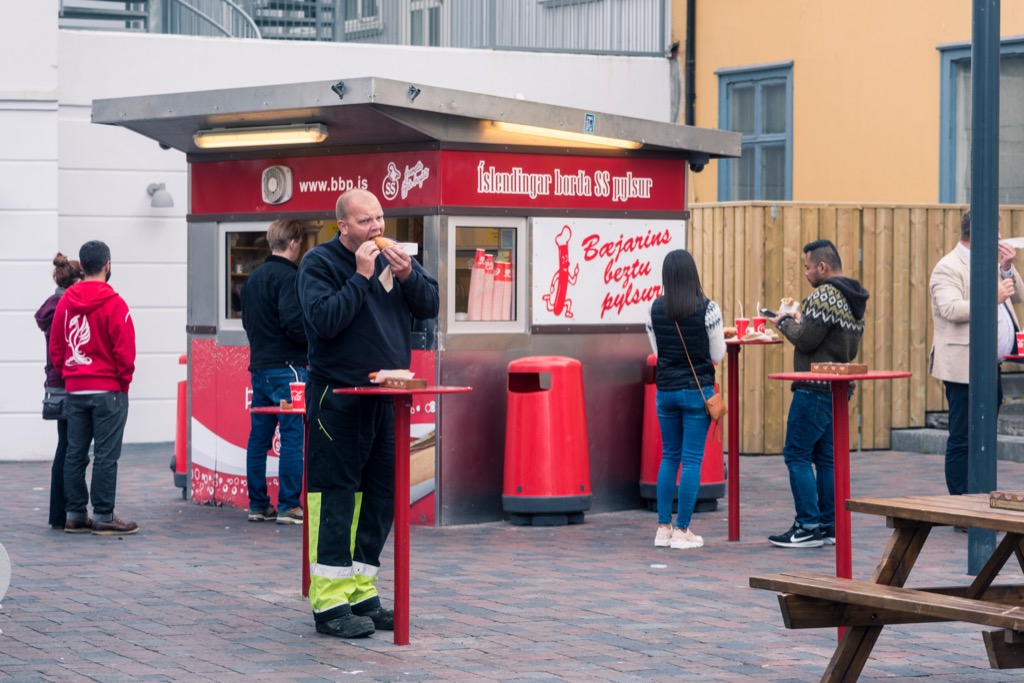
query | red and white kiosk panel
(536,254)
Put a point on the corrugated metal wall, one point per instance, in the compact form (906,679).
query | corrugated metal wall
(619,27)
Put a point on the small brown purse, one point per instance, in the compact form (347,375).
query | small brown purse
(714,406)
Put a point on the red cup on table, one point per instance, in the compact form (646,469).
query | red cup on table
(741,327)
(1020,343)
(759,322)
(298,395)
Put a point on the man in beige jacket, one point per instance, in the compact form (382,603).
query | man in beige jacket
(951,311)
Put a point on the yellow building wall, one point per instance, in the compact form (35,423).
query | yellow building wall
(866,86)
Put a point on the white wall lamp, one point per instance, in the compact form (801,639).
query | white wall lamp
(161,198)
(261,136)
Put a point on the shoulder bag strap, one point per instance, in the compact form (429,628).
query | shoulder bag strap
(687,352)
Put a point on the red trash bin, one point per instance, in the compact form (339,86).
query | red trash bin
(179,464)
(712,470)
(547,459)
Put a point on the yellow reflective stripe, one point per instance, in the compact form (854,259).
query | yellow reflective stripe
(312,523)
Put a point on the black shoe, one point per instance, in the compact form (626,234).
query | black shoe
(798,537)
(383,619)
(115,527)
(347,626)
(828,534)
(267,514)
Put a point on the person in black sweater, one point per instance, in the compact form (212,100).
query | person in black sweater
(683,373)
(277,357)
(828,329)
(358,303)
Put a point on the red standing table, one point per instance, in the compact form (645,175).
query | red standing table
(403,405)
(276,410)
(841,449)
(732,347)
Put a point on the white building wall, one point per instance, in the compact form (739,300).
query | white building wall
(64,180)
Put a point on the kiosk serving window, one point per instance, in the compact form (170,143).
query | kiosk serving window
(486,292)
(243,247)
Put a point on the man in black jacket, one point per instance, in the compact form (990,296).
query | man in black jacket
(277,357)
(359,302)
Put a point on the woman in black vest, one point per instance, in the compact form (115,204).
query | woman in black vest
(683,313)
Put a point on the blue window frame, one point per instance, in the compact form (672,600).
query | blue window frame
(757,102)
(955,123)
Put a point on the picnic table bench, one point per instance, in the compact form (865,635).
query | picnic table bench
(863,608)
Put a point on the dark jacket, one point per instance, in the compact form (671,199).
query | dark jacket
(354,325)
(271,316)
(674,371)
(830,327)
(44,319)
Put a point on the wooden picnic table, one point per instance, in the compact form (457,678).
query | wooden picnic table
(810,600)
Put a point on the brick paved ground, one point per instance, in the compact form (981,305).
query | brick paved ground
(201,595)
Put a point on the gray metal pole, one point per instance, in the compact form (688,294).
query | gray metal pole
(984,236)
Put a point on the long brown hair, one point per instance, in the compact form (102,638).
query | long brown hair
(681,282)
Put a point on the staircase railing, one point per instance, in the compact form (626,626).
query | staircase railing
(209,18)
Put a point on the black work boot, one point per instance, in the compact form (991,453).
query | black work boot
(346,626)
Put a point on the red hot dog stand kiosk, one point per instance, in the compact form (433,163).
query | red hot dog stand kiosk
(565,214)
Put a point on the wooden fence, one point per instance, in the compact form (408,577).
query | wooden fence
(751,252)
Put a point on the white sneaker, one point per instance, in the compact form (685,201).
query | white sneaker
(684,539)
(664,537)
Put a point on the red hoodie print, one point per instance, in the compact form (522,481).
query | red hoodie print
(92,342)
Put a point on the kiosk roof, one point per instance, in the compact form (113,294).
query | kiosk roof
(375,111)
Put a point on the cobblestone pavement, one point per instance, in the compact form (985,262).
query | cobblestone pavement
(202,595)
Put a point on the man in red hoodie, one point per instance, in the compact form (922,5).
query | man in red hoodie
(92,345)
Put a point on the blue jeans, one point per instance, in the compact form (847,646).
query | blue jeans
(96,419)
(684,429)
(269,388)
(808,455)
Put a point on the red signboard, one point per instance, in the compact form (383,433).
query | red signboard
(447,178)
(562,182)
(299,184)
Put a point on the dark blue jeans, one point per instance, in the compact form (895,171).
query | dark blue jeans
(958,398)
(269,388)
(96,419)
(808,455)
(684,429)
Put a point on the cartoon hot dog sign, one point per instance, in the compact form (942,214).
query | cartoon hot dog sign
(593,271)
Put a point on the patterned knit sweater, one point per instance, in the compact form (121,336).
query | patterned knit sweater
(830,327)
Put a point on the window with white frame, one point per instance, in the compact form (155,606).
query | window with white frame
(362,15)
(757,102)
(955,146)
(426,22)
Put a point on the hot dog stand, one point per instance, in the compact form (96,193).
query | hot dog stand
(566,214)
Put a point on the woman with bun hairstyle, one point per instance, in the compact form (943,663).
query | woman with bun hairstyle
(66,272)
(682,314)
